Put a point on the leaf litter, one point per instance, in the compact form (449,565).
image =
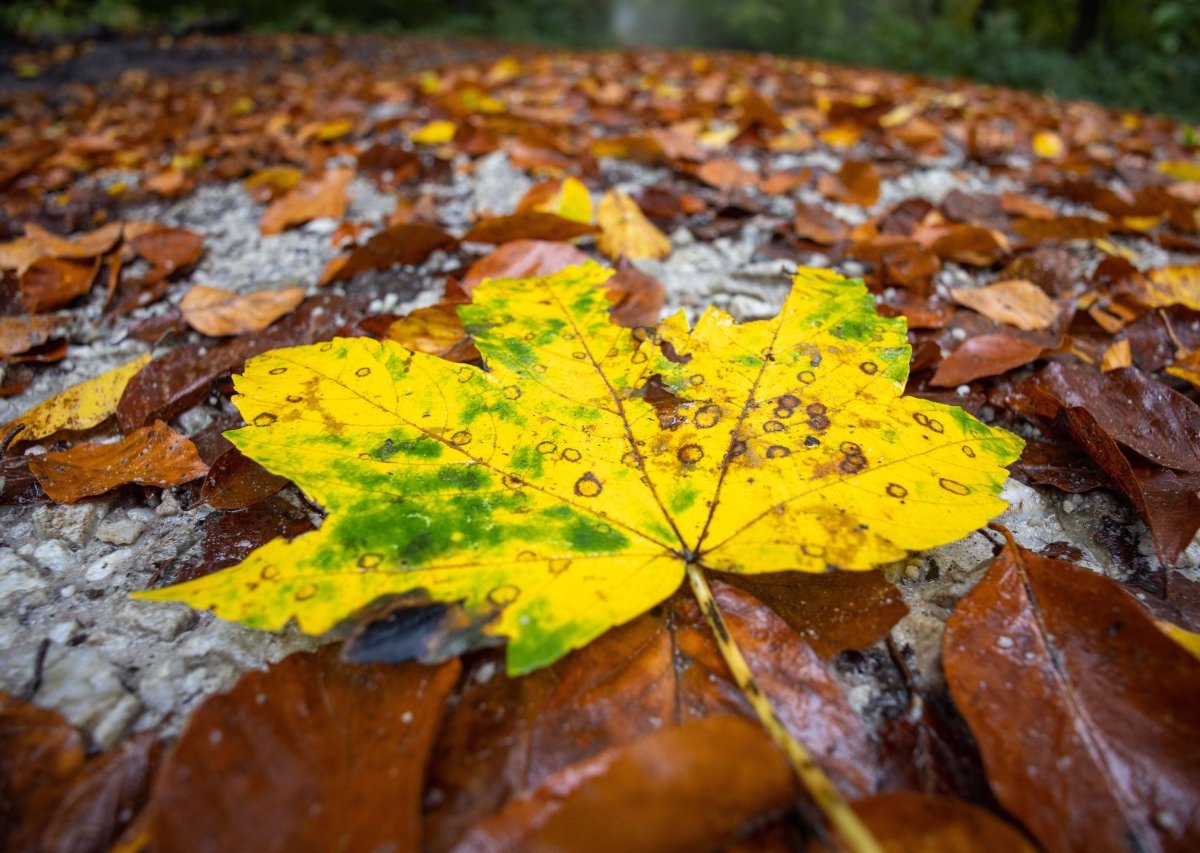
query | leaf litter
(1105,237)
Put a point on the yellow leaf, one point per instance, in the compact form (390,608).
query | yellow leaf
(435,133)
(1173,286)
(627,233)
(544,494)
(81,406)
(568,198)
(1180,170)
(1048,145)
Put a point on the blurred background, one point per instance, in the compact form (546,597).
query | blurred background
(1142,54)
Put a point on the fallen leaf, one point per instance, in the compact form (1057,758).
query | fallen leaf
(832,612)
(1178,285)
(85,247)
(437,330)
(725,175)
(80,407)
(911,822)
(153,456)
(273,181)
(1018,303)
(404,243)
(235,481)
(814,222)
(984,355)
(19,254)
(523,259)
(1103,749)
(313,753)
(638,298)
(970,244)
(568,198)
(514,494)
(1063,466)
(1048,145)
(217,312)
(168,249)
(660,785)
(626,232)
(506,736)
(434,133)
(50,283)
(325,197)
(21,334)
(856,182)
(1118,355)
(528,225)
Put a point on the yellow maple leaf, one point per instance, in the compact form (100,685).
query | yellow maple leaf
(627,233)
(546,493)
(435,133)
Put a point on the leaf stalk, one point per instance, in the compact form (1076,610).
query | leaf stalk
(829,800)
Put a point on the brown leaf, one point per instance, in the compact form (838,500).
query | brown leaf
(1061,229)
(506,736)
(856,182)
(523,259)
(403,243)
(527,225)
(639,297)
(437,330)
(50,283)
(1018,303)
(19,254)
(909,266)
(235,481)
(909,822)
(312,754)
(832,612)
(970,244)
(984,355)
(312,199)
(21,334)
(217,312)
(1102,749)
(627,233)
(169,250)
(816,223)
(183,376)
(1063,466)
(85,247)
(725,174)
(1139,412)
(662,788)
(153,456)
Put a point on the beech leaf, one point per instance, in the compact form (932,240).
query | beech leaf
(545,492)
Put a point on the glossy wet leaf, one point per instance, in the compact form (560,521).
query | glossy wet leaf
(1103,749)
(545,493)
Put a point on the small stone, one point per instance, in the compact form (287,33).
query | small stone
(14,582)
(123,531)
(53,554)
(166,620)
(912,571)
(168,506)
(85,687)
(118,562)
(73,522)
(1004,642)
(63,631)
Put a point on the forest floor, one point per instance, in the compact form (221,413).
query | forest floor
(259,166)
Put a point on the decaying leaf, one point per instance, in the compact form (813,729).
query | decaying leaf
(21,334)
(568,198)
(527,225)
(437,330)
(1102,751)
(1172,286)
(985,355)
(545,493)
(1018,303)
(523,259)
(50,283)
(627,233)
(79,407)
(314,199)
(84,247)
(313,754)
(154,456)
(218,312)
(403,243)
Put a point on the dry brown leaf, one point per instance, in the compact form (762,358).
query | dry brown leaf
(20,334)
(217,312)
(19,254)
(84,247)
(523,259)
(50,283)
(314,199)
(402,243)
(526,225)
(627,233)
(1018,303)
(856,182)
(153,456)
(725,174)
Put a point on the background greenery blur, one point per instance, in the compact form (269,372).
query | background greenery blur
(1133,53)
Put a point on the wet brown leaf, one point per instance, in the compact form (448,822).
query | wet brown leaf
(856,182)
(50,283)
(984,355)
(523,259)
(527,225)
(814,222)
(21,334)
(970,244)
(153,456)
(217,312)
(234,481)
(908,822)
(1102,751)
(1018,303)
(662,788)
(313,753)
(403,243)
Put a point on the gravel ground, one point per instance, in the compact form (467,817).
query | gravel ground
(72,638)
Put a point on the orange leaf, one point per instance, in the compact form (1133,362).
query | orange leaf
(314,199)
(217,312)
(523,259)
(85,247)
(51,283)
(1018,303)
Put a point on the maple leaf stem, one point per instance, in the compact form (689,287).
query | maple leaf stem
(819,786)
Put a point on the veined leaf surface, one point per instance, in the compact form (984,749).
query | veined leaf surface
(549,493)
